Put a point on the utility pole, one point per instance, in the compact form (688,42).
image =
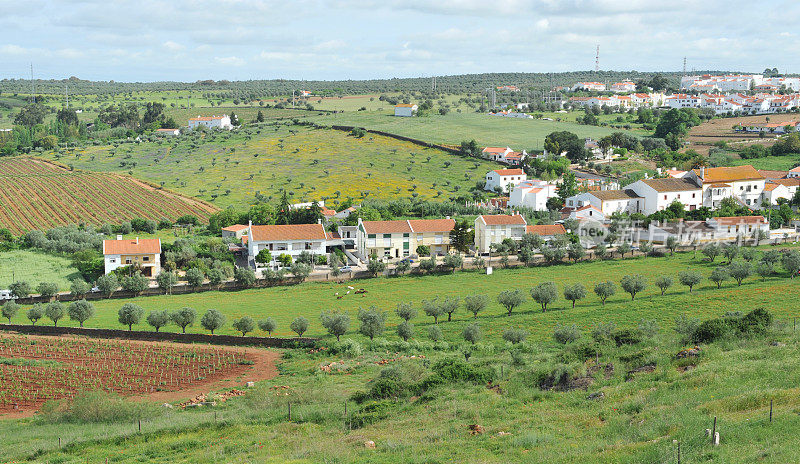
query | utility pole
(33,86)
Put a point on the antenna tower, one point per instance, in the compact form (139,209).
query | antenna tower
(33,86)
(597,59)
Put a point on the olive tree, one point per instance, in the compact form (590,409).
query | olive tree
(158,319)
(472,333)
(633,284)
(740,270)
(55,311)
(136,283)
(510,299)
(373,322)
(299,325)
(195,277)
(690,278)
(35,313)
(107,284)
(605,290)
(663,282)
(10,309)
(433,309)
(166,280)
(212,320)
(790,260)
(624,248)
(719,275)
(47,289)
(335,323)
(405,311)
(244,325)
(405,330)
(475,304)
(20,289)
(79,288)
(80,311)
(130,314)
(574,292)
(711,251)
(449,306)
(268,325)
(544,294)
(244,277)
(184,317)
(730,251)
(672,244)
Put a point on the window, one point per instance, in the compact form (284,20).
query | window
(112,261)
(693,195)
(128,261)
(665,198)
(145,258)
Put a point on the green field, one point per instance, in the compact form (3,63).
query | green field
(776,163)
(35,267)
(309,164)
(453,128)
(636,421)
(309,299)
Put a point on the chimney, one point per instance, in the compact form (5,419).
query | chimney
(137,240)
(319,221)
(119,237)
(703,173)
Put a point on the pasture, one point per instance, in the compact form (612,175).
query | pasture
(228,169)
(35,266)
(35,194)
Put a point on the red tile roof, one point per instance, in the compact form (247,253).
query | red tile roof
(137,246)
(510,172)
(734,220)
(546,229)
(502,219)
(234,228)
(432,225)
(729,174)
(387,227)
(288,232)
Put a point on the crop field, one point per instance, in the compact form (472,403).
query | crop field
(453,128)
(703,137)
(227,169)
(35,194)
(34,369)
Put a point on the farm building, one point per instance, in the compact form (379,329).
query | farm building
(141,253)
(405,110)
(211,122)
(491,229)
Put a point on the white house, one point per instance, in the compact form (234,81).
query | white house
(710,230)
(290,239)
(211,122)
(502,178)
(170,132)
(744,183)
(504,155)
(401,238)
(658,194)
(236,231)
(795,172)
(624,86)
(608,201)
(405,110)
(589,86)
(532,194)
(142,253)
(546,231)
(774,191)
(493,229)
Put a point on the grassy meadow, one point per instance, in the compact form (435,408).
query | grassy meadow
(228,169)
(35,267)
(776,163)
(649,398)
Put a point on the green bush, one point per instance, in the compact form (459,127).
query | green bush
(97,406)
(372,412)
(626,337)
(453,370)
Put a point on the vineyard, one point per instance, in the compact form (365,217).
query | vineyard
(37,369)
(35,194)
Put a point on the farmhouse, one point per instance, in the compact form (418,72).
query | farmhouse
(290,239)
(624,86)
(400,238)
(711,230)
(504,155)
(236,231)
(211,122)
(744,183)
(546,231)
(532,194)
(503,179)
(493,229)
(144,254)
(609,201)
(658,194)
(168,132)
(405,110)
(589,86)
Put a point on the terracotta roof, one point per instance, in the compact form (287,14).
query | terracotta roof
(671,184)
(720,185)
(387,227)
(608,195)
(510,172)
(729,174)
(502,219)
(327,211)
(790,182)
(137,246)
(546,229)
(770,186)
(797,169)
(432,225)
(495,149)
(234,228)
(585,207)
(288,232)
(770,174)
(405,105)
(166,130)
(734,220)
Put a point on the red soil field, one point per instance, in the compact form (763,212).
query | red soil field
(35,369)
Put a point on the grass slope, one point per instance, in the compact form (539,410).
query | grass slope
(228,169)
(35,267)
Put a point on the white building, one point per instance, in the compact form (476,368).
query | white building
(405,110)
(532,194)
(744,183)
(144,254)
(727,83)
(503,178)
(795,172)
(658,194)
(589,86)
(493,229)
(711,230)
(623,87)
(504,155)
(291,239)
(171,132)
(211,122)
(608,201)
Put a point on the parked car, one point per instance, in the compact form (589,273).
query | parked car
(408,260)
(7,295)
(345,269)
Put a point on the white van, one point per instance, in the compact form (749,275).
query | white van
(7,295)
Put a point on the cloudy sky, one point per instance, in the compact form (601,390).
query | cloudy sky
(187,40)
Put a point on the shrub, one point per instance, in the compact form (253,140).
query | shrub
(212,320)
(97,406)
(268,325)
(603,331)
(566,333)
(626,337)
(299,325)
(453,370)
(472,333)
(244,325)
(335,323)
(434,333)
(686,328)
(515,335)
(648,328)
(183,317)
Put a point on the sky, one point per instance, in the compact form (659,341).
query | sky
(189,40)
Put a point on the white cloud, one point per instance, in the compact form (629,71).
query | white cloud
(229,60)
(173,46)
